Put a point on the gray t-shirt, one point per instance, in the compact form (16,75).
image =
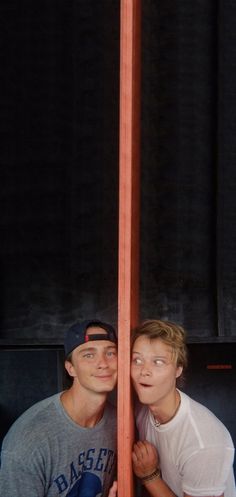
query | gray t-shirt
(46,454)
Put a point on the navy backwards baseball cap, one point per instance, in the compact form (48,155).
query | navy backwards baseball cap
(77,334)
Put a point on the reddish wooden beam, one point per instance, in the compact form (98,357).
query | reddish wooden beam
(129,200)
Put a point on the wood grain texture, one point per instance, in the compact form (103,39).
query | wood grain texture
(128,292)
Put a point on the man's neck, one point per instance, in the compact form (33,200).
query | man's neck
(83,409)
(167,410)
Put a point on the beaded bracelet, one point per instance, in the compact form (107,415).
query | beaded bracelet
(152,476)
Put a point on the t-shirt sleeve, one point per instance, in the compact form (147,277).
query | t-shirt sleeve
(19,478)
(206,472)
(141,420)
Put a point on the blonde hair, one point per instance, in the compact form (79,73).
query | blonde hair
(170,333)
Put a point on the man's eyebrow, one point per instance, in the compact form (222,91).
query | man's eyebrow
(111,347)
(87,349)
(154,356)
(159,356)
(93,349)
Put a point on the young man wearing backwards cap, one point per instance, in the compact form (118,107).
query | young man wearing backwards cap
(65,445)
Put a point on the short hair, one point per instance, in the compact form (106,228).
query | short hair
(170,333)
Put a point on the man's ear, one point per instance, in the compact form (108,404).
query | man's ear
(70,368)
(179,371)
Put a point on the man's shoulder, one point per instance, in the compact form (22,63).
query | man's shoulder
(31,424)
(205,421)
(39,408)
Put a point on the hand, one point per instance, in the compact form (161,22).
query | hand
(145,458)
(113,490)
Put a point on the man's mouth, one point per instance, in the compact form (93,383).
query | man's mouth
(103,377)
(145,385)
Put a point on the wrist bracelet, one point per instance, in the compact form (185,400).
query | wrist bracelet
(152,476)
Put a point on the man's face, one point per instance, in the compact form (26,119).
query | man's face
(153,371)
(94,364)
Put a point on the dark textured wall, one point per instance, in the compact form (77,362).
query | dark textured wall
(188,165)
(58,165)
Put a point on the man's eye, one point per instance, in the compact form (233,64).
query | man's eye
(89,355)
(136,361)
(159,362)
(111,353)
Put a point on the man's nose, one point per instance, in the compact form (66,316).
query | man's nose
(102,361)
(145,370)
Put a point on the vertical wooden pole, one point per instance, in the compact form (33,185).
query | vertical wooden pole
(129,199)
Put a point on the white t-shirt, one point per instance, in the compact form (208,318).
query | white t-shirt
(195,449)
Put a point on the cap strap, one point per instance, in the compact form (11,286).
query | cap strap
(99,336)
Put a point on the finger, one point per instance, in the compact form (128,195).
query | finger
(113,490)
(141,447)
(138,448)
(151,450)
(148,446)
(134,457)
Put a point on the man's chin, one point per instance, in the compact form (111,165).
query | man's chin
(145,399)
(105,388)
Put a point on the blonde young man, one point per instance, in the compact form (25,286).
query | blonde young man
(184,450)
(66,445)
